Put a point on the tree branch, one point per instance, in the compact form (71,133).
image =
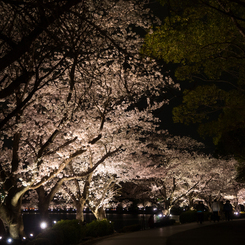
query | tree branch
(24,45)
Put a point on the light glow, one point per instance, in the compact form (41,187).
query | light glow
(9,240)
(43,225)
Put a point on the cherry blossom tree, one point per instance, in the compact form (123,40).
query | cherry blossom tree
(179,172)
(76,83)
(28,44)
(98,189)
(98,182)
(241,196)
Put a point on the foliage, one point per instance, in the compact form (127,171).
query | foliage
(205,37)
(207,41)
(176,172)
(218,112)
(240,172)
(71,79)
(71,229)
(71,232)
(54,236)
(99,228)
(40,241)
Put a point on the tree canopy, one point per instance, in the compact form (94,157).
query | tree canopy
(71,80)
(71,75)
(206,39)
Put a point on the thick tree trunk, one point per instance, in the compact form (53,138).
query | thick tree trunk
(16,228)
(11,217)
(44,199)
(10,209)
(43,203)
(99,213)
(80,207)
(43,210)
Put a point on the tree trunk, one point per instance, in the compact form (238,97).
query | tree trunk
(43,209)
(10,210)
(99,213)
(80,207)
(12,219)
(44,198)
(2,228)
(16,229)
(43,203)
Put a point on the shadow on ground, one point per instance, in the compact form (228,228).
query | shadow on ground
(220,233)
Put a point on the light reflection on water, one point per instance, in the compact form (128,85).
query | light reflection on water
(32,220)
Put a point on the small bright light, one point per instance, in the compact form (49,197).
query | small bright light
(31,235)
(236,213)
(159,215)
(1,237)
(24,238)
(43,225)
(54,221)
(9,240)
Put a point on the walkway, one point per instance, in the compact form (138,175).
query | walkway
(225,233)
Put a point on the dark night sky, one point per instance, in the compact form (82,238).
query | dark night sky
(165,114)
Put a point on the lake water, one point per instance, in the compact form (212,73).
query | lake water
(32,220)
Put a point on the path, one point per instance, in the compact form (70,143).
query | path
(225,233)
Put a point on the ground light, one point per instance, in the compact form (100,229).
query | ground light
(43,225)
(9,240)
